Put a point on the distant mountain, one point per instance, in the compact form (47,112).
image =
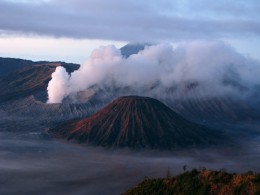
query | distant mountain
(137,122)
(201,182)
(132,48)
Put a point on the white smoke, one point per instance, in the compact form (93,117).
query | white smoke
(215,66)
(58,85)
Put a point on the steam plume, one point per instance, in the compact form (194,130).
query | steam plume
(216,67)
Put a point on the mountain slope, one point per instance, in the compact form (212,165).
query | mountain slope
(31,80)
(8,65)
(137,122)
(25,82)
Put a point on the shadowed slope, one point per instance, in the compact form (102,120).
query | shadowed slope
(137,122)
(30,80)
(8,65)
(25,82)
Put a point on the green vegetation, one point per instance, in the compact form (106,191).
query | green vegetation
(201,182)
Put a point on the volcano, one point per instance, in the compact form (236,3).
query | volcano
(137,122)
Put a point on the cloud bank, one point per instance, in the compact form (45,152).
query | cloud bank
(131,21)
(211,67)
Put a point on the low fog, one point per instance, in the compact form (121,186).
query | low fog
(215,68)
(33,163)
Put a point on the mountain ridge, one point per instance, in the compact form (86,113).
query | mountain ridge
(9,65)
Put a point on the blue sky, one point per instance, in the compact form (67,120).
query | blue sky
(69,30)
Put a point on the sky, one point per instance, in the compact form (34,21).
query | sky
(69,30)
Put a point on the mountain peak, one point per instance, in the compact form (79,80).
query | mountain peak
(136,122)
(133,48)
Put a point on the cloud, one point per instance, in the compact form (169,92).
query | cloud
(132,20)
(214,68)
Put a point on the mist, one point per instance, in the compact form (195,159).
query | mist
(31,164)
(213,67)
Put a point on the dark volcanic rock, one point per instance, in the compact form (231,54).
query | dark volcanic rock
(131,49)
(137,122)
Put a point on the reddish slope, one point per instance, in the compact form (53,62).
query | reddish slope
(136,122)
